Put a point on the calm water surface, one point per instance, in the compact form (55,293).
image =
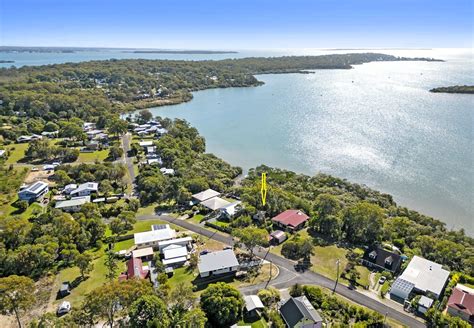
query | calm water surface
(376,124)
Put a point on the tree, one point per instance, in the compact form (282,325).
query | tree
(72,130)
(123,223)
(117,126)
(16,296)
(51,127)
(193,260)
(144,116)
(106,187)
(269,296)
(146,309)
(251,237)
(222,304)
(84,263)
(194,318)
(363,223)
(326,204)
(115,152)
(113,298)
(111,265)
(297,248)
(22,205)
(275,318)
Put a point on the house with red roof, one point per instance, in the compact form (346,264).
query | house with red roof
(135,269)
(461,303)
(291,220)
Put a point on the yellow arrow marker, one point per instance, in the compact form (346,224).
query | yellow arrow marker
(263,190)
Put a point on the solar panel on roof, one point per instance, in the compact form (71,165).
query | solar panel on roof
(36,186)
(159,226)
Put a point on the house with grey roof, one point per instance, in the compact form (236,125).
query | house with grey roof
(298,312)
(217,263)
(34,192)
(205,195)
(73,204)
(422,277)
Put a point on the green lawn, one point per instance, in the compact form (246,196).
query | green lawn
(181,275)
(260,323)
(9,209)
(324,260)
(196,218)
(17,152)
(99,155)
(148,210)
(95,279)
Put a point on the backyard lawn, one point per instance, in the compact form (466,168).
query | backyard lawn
(17,152)
(260,323)
(99,155)
(95,279)
(324,260)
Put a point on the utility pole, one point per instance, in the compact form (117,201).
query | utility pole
(385,318)
(337,276)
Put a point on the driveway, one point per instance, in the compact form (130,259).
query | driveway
(289,276)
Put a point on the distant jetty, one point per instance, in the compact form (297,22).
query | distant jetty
(6,61)
(468,89)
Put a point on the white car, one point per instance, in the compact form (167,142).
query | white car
(63,308)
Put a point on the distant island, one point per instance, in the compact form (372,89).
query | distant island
(130,84)
(188,52)
(6,61)
(455,89)
(16,49)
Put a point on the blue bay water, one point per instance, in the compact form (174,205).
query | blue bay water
(376,124)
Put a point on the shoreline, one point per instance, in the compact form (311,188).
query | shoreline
(400,199)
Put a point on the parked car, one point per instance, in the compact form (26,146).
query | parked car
(228,247)
(34,169)
(63,308)
(65,289)
(382,280)
(204,252)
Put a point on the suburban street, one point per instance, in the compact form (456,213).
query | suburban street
(289,276)
(126,140)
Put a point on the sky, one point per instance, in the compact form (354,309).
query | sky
(237,24)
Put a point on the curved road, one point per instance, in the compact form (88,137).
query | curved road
(289,276)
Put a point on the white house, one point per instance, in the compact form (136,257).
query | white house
(166,171)
(421,276)
(231,209)
(68,188)
(74,204)
(205,195)
(33,192)
(175,255)
(215,203)
(184,241)
(153,237)
(2,152)
(217,263)
(146,144)
(85,189)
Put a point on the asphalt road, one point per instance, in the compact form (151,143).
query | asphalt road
(289,276)
(126,138)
